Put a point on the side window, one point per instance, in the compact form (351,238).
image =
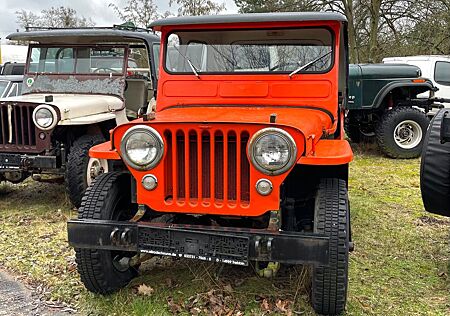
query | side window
(442,73)
(138,63)
(35,56)
(156,53)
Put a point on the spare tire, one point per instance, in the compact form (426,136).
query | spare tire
(435,169)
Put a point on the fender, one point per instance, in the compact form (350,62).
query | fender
(427,86)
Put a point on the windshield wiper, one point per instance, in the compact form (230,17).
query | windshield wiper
(307,65)
(191,65)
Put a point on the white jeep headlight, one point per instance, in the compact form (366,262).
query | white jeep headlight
(272,151)
(44,117)
(142,147)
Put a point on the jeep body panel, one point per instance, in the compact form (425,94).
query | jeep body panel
(75,106)
(369,84)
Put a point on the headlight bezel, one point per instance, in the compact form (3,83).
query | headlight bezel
(151,132)
(285,136)
(51,110)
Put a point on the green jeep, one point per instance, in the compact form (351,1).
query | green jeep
(384,104)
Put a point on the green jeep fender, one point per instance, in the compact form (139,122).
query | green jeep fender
(359,96)
(418,87)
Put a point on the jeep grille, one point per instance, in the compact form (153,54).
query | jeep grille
(207,166)
(17,130)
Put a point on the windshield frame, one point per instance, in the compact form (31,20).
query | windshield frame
(325,71)
(93,74)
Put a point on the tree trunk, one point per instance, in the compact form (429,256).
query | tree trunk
(374,10)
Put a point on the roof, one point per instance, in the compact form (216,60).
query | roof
(83,36)
(417,57)
(15,78)
(249,18)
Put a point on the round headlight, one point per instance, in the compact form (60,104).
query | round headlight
(44,117)
(142,147)
(272,151)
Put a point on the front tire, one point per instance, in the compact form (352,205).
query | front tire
(401,132)
(103,271)
(331,218)
(79,166)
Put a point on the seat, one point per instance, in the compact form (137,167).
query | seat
(136,94)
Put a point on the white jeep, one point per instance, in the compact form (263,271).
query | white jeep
(78,84)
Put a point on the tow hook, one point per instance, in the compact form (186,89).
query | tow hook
(270,271)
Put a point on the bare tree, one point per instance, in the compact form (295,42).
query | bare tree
(198,7)
(52,17)
(27,18)
(140,12)
(63,17)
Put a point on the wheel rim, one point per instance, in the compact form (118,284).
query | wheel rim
(95,168)
(407,134)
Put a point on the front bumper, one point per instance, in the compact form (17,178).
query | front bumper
(216,244)
(20,162)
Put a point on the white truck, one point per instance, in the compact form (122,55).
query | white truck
(434,67)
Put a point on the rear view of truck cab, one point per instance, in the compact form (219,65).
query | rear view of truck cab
(243,162)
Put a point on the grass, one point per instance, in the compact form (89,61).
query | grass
(399,266)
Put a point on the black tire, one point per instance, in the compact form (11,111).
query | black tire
(357,131)
(387,125)
(352,131)
(76,166)
(435,169)
(107,199)
(331,218)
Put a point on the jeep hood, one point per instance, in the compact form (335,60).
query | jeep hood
(311,122)
(73,106)
(380,71)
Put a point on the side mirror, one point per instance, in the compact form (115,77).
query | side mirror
(445,127)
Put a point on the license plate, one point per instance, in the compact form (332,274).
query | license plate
(9,161)
(205,246)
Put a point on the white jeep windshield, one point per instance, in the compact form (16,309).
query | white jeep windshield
(77,60)
(249,51)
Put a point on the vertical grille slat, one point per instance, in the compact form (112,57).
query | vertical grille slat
(238,168)
(199,154)
(174,167)
(23,136)
(3,124)
(225,167)
(207,166)
(218,166)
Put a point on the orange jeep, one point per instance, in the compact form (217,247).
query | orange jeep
(243,161)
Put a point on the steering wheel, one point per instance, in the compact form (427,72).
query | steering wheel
(283,65)
(104,70)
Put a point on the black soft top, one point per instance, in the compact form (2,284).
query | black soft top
(249,18)
(84,36)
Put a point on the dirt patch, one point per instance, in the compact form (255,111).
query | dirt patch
(16,299)
(428,220)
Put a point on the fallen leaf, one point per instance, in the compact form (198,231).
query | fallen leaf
(174,308)
(265,305)
(227,288)
(145,290)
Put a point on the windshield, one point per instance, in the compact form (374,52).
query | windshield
(78,60)
(3,86)
(250,51)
